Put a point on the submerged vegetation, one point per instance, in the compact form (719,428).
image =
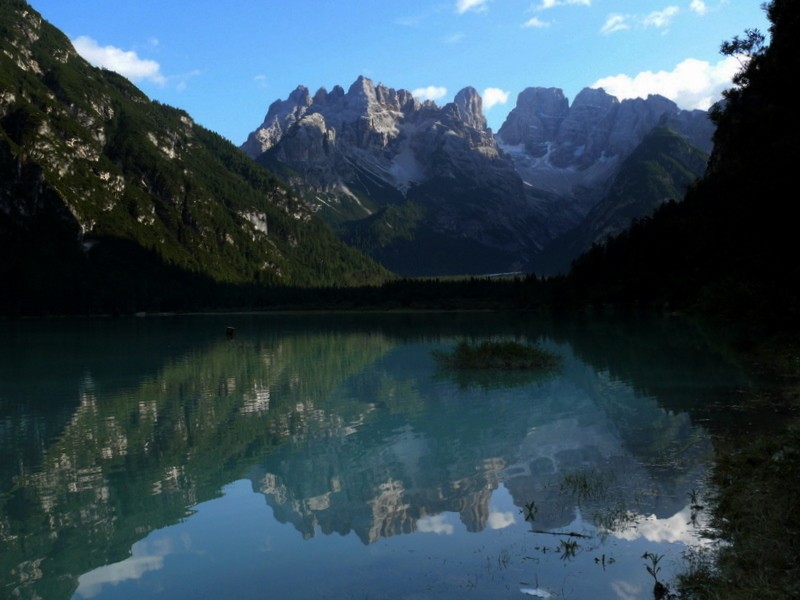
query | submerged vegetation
(499,355)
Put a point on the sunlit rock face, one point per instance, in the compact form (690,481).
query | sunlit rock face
(391,171)
(385,130)
(396,169)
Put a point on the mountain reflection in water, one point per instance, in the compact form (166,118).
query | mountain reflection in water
(156,457)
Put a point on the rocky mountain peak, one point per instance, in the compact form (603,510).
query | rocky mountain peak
(535,119)
(320,96)
(596,127)
(362,152)
(281,115)
(470,108)
(366,98)
(362,87)
(300,96)
(594,98)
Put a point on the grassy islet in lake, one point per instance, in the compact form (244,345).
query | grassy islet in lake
(498,355)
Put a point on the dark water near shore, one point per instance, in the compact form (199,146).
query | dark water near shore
(328,456)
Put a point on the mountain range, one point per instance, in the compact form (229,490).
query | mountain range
(430,190)
(111,202)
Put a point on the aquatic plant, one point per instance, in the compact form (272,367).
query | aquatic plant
(498,355)
(653,567)
(694,500)
(660,590)
(584,485)
(568,549)
(602,560)
(529,510)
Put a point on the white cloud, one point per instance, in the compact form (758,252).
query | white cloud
(553,3)
(678,528)
(453,38)
(126,63)
(463,6)
(261,80)
(493,96)
(432,92)
(91,583)
(145,556)
(698,6)
(536,23)
(615,22)
(435,524)
(500,520)
(691,84)
(661,18)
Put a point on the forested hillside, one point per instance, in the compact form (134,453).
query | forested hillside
(110,202)
(730,246)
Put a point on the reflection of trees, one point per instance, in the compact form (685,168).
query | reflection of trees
(338,447)
(677,361)
(135,460)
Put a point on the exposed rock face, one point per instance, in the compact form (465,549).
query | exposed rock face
(535,120)
(328,135)
(470,108)
(281,115)
(584,132)
(574,152)
(596,125)
(373,148)
(362,154)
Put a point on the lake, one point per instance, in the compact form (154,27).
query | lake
(332,456)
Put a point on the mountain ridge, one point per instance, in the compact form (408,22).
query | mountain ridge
(99,181)
(356,155)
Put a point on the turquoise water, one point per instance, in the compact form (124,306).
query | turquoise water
(329,456)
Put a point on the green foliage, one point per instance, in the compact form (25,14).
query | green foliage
(119,171)
(391,223)
(723,250)
(661,169)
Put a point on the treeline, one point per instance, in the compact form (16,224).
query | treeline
(129,280)
(730,247)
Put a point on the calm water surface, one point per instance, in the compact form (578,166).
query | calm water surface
(328,456)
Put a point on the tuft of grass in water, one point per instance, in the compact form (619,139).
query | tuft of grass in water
(568,549)
(491,355)
(530,510)
(585,485)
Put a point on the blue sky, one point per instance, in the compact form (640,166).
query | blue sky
(226,61)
